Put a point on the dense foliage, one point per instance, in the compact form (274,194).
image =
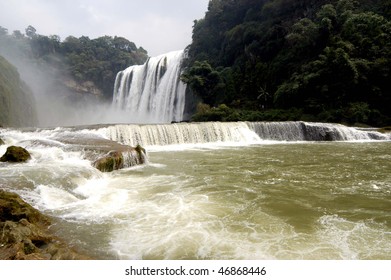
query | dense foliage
(14,94)
(293,59)
(83,59)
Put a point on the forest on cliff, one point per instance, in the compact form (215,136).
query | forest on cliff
(312,60)
(80,64)
(253,60)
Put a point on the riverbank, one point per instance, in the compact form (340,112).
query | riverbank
(26,234)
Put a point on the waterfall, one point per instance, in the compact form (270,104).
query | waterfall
(153,92)
(235,132)
(181,133)
(306,131)
(94,140)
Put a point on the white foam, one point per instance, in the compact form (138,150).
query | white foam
(354,239)
(54,198)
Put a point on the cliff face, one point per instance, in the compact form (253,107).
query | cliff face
(17,105)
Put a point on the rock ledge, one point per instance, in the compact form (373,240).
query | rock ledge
(25,233)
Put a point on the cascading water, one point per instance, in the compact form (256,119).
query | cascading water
(153,92)
(237,133)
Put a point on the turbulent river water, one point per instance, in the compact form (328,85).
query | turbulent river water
(215,199)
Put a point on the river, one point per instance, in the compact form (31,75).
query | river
(260,199)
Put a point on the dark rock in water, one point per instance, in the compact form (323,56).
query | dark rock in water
(316,132)
(125,156)
(25,233)
(114,160)
(136,156)
(376,136)
(141,151)
(1,141)
(15,154)
(328,135)
(386,129)
(107,155)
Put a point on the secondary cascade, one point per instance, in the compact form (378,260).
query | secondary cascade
(153,92)
(234,132)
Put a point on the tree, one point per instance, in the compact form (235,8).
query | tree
(315,55)
(31,32)
(3,31)
(124,44)
(303,36)
(369,33)
(43,45)
(17,34)
(204,81)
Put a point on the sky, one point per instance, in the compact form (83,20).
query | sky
(159,26)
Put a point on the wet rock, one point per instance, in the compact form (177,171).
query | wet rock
(329,135)
(15,154)
(106,155)
(25,233)
(385,130)
(114,160)
(140,150)
(315,132)
(124,157)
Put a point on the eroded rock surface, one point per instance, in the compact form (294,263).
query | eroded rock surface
(15,154)
(25,233)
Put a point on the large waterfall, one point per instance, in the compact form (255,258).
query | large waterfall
(153,92)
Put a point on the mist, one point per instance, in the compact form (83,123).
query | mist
(55,103)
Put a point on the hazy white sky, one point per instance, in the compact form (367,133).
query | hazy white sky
(159,26)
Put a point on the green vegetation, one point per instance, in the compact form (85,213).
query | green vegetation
(83,59)
(287,59)
(14,95)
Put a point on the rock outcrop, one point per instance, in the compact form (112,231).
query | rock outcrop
(15,154)
(114,160)
(87,87)
(25,233)
(121,158)
(107,155)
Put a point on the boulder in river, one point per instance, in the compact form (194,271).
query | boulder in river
(123,157)
(114,160)
(15,154)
